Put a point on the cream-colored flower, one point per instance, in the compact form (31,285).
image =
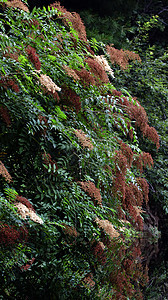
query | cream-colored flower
(84,140)
(108,228)
(104,63)
(24,211)
(4,172)
(48,83)
(34,217)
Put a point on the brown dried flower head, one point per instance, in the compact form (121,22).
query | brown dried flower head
(71,72)
(98,70)
(4,172)
(88,281)
(84,140)
(90,188)
(85,77)
(138,210)
(108,228)
(17,4)
(121,57)
(73,17)
(70,230)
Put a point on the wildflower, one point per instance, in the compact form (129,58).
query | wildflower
(9,82)
(152,135)
(5,115)
(10,235)
(84,140)
(104,63)
(70,230)
(143,159)
(24,211)
(4,172)
(17,4)
(47,82)
(144,187)
(97,70)
(98,251)
(120,162)
(137,162)
(108,228)
(85,77)
(138,210)
(116,93)
(33,56)
(121,57)
(71,72)
(127,152)
(24,201)
(73,18)
(70,98)
(90,188)
(147,159)
(119,185)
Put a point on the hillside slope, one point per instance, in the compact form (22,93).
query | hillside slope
(71,164)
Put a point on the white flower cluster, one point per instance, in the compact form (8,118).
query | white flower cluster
(48,83)
(104,63)
(24,211)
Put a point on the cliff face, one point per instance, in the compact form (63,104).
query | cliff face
(73,192)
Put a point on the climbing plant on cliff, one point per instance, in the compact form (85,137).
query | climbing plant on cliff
(71,163)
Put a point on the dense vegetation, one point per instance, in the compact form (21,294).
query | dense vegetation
(76,146)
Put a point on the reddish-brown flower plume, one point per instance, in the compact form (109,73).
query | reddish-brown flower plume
(97,70)
(127,152)
(73,17)
(152,135)
(70,230)
(70,98)
(7,82)
(145,188)
(92,191)
(10,235)
(17,4)
(121,57)
(98,251)
(5,115)
(33,57)
(85,77)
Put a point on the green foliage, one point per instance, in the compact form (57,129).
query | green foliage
(106,29)
(150,85)
(61,165)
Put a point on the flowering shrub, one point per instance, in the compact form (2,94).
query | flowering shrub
(72,148)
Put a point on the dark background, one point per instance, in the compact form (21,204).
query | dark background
(126,9)
(109,7)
